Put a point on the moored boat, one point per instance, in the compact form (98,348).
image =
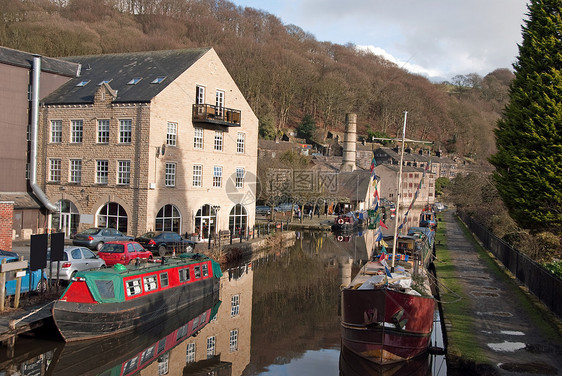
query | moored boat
(345,223)
(99,303)
(387,317)
(428,218)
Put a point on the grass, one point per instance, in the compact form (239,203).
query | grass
(462,341)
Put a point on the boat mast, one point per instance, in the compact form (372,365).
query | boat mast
(399,195)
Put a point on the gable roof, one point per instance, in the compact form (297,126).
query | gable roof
(119,69)
(25,60)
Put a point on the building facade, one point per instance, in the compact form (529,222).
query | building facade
(16,89)
(148,141)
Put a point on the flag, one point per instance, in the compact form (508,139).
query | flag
(383,263)
(382,224)
(383,250)
(383,243)
(379,236)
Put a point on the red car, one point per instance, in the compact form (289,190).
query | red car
(123,252)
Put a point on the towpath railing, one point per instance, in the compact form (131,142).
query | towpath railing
(546,286)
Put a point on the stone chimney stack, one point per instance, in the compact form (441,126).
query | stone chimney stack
(349,144)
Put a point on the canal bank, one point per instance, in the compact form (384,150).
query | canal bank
(493,326)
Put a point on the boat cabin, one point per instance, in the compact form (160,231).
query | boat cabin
(122,283)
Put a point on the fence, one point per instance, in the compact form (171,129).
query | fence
(542,283)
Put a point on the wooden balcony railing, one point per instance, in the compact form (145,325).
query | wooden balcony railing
(206,113)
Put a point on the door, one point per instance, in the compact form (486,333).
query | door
(66,224)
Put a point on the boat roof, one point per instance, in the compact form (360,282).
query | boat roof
(114,276)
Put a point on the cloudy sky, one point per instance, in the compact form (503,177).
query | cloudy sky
(436,38)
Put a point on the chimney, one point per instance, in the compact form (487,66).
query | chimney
(349,144)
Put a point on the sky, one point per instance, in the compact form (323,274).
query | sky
(438,39)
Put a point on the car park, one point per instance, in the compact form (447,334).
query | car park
(32,280)
(123,252)
(162,242)
(75,259)
(95,237)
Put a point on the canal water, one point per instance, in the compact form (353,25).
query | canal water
(278,314)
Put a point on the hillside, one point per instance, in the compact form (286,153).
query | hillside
(284,72)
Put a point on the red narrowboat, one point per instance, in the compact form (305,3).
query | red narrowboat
(100,303)
(387,317)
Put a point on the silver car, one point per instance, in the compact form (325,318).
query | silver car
(75,259)
(95,237)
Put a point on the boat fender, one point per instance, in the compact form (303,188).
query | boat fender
(340,238)
(340,221)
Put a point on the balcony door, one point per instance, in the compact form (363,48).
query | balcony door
(220,102)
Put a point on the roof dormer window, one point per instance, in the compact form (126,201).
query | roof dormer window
(134,81)
(158,79)
(82,83)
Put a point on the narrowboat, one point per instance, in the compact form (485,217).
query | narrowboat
(345,223)
(428,218)
(100,303)
(387,316)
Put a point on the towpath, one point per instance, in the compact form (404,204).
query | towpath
(513,338)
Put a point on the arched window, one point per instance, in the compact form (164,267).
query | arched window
(238,220)
(168,219)
(66,217)
(206,221)
(114,216)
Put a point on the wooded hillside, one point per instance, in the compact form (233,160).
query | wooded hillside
(284,72)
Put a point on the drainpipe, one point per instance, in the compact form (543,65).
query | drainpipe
(34,131)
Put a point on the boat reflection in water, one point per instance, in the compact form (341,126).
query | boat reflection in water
(129,354)
(352,364)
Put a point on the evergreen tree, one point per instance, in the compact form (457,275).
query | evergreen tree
(529,135)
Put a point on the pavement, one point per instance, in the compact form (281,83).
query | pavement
(514,339)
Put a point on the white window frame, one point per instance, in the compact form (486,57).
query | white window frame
(211,344)
(239,179)
(76,131)
(150,282)
(103,131)
(240,143)
(170,174)
(200,94)
(234,305)
(125,131)
(133,287)
(219,102)
(197,176)
(190,353)
(124,172)
(172,134)
(218,144)
(217,176)
(234,340)
(75,171)
(198,138)
(56,131)
(55,170)
(102,171)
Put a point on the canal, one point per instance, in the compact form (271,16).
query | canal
(278,315)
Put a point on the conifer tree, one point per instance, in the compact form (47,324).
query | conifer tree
(529,135)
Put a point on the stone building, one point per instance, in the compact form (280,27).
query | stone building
(144,141)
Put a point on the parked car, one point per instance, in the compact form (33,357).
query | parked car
(165,241)
(37,277)
(75,259)
(263,210)
(95,237)
(286,207)
(123,252)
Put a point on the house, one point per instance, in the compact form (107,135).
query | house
(411,177)
(24,78)
(160,140)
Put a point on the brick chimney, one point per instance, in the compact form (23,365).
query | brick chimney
(349,144)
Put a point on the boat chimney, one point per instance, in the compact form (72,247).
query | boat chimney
(349,144)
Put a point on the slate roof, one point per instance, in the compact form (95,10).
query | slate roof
(354,185)
(25,60)
(119,69)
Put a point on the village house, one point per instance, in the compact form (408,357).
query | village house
(143,141)
(24,78)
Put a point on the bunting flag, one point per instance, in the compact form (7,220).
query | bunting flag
(373,164)
(383,243)
(379,236)
(383,250)
(383,262)
(381,223)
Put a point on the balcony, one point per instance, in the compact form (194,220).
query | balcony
(206,113)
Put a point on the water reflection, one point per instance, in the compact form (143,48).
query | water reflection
(279,315)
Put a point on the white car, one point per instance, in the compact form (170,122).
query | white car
(75,259)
